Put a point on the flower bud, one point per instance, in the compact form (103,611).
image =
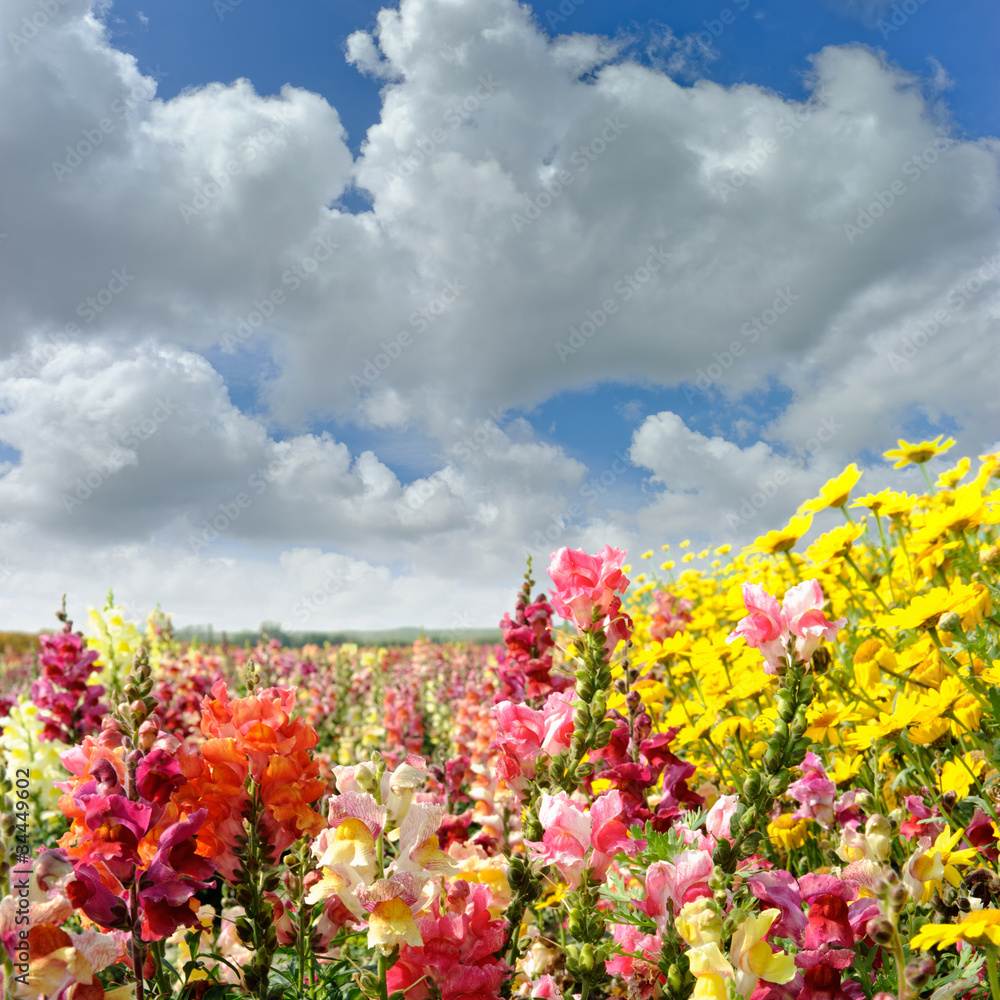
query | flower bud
(864,799)
(7,824)
(949,622)
(148,732)
(821,660)
(880,930)
(897,896)
(751,785)
(919,971)
(675,978)
(985,878)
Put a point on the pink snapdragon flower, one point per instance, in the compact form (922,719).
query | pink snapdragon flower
(770,627)
(456,953)
(641,974)
(575,839)
(720,817)
(587,588)
(814,792)
(670,615)
(676,883)
(524,733)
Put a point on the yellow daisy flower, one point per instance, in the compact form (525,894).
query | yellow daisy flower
(980,927)
(783,539)
(948,480)
(833,493)
(917,454)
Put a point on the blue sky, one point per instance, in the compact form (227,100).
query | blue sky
(766,44)
(784,329)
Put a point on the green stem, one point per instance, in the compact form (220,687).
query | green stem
(968,683)
(902,986)
(864,579)
(991,971)
(791,562)
(888,557)
(383,968)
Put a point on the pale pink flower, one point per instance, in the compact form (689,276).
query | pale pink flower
(521,732)
(720,816)
(546,988)
(765,628)
(769,626)
(566,837)
(669,615)
(585,584)
(608,834)
(640,974)
(575,839)
(557,722)
(677,883)
(802,608)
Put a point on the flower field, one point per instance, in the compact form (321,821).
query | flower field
(767,775)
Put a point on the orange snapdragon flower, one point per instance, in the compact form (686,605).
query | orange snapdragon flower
(255,737)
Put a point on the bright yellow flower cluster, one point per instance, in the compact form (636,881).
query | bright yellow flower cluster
(902,701)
